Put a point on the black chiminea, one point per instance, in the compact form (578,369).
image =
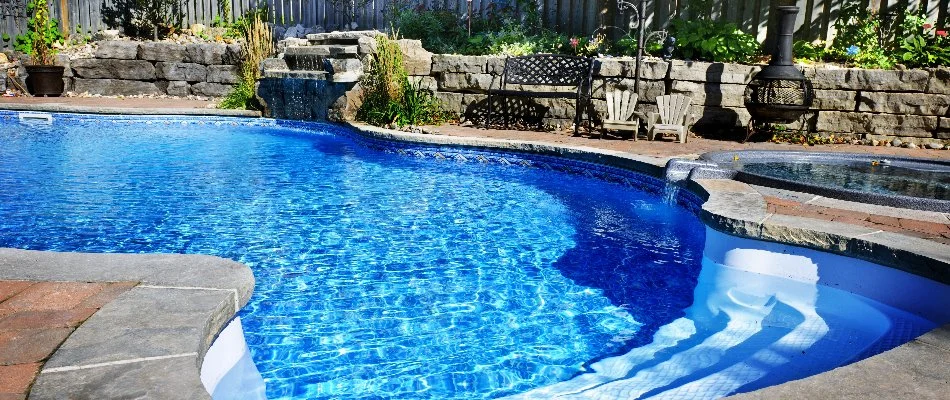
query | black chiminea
(780,93)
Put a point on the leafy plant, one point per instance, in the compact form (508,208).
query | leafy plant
(715,41)
(258,45)
(809,51)
(388,97)
(858,41)
(42,34)
(923,45)
(145,18)
(441,31)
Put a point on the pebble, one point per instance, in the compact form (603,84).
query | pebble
(896,142)
(935,146)
(875,142)
(911,145)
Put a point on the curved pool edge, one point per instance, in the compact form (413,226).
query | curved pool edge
(150,340)
(736,209)
(726,209)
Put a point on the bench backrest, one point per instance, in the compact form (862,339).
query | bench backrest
(547,69)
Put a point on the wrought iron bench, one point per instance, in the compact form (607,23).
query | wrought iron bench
(544,71)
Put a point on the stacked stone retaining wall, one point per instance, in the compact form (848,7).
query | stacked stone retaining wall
(125,67)
(875,104)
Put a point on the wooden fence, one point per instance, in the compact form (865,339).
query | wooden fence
(575,17)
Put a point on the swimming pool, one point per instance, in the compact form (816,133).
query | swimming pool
(411,272)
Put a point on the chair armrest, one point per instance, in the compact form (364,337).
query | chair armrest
(651,119)
(690,120)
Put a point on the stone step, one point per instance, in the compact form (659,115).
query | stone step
(322,50)
(337,36)
(280,74)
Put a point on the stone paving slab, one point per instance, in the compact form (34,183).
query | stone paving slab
(917,370)
(177,323)
(112,105)
(171,378)
(147,341)
(172,270)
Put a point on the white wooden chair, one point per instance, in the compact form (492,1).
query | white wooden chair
(620,111)
(673,117)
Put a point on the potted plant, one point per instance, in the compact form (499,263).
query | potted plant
(44,78)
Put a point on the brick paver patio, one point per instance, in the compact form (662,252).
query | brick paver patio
(35,318)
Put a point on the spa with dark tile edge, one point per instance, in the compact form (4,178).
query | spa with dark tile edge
(752,166)
(730,207)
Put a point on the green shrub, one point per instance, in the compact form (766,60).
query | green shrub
(258,45)
(923,45)
(41,36)
(389,98)
(857,41)
(708,40)
(809,51)
(440,31)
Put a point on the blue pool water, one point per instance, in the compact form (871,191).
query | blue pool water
(414,274)
(377,275)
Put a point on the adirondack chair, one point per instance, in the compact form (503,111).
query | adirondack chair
(620,111)
(673,117)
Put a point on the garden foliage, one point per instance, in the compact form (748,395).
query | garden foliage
(145,18)
(388,96)
(867,39)
(709,40)
(42,34)
(258,44)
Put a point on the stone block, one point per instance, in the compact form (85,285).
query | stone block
(205,53)
(712,72)
(118,49)
(345,69)
(283,45)
(114,87)
(711,93)
(366,45)
(224,74)
(424,82)
(720,118)
(904,103)
(877,124)
(94,68)
(465,82)
(210,89)
(626,67)
(161,51)
(868,79)
(939,82)
(495,65)
(648,90)
(233,54)
(451,102)
(275,64)
(417,60)
(454,63)
(836,100)
(178,88)
(178,71)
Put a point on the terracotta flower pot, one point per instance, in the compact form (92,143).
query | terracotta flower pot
(45,80)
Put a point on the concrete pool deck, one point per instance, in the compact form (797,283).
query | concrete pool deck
(160,350)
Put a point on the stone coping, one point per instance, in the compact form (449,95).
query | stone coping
(72,108)
(150,340)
